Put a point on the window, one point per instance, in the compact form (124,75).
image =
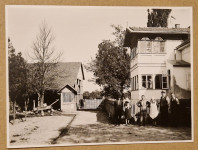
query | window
(158,45)
(147,82)
(134,83)
(164,82)
(144,82)
(162,43)
(133,52)
(67,97)
(132,87)
(137,83)
(158,81)
(161,81)
(145,45)
(148,46)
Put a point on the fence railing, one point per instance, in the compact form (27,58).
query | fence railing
(90,103)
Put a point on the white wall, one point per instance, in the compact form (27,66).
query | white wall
(178,55)
(150,69)
(170,45)
(186,56)
(180,74)
(68,106)
(136,95)
(80,76)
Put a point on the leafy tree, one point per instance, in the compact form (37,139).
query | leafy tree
(45,59)
(111,66)
(158,17)
(17,78)
(93,95)
(86,95)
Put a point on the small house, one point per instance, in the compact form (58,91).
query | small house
(68,83)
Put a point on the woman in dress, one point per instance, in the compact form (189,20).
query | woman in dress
(127,112)
(153,111)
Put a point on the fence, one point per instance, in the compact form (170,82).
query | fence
(91,103)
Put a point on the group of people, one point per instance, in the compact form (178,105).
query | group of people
(163,111)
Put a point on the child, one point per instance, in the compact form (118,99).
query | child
(127,112)
(153,111)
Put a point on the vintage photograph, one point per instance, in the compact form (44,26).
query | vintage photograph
(92,75)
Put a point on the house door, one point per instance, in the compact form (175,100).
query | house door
(68,102)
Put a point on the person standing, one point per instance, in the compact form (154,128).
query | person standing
(118,111)
(164,107)
(153,111)
(174,109)
(143,109)
(127,112)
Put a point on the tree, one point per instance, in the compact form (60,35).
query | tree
(17,78)
(111,66)
(95,95)
(45,59)
(158,17)
(86,95)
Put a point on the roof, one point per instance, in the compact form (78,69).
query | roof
(133,34)
(184,44)
(179,63)
(64,73)
(67,74)
(68,87)
(159,30)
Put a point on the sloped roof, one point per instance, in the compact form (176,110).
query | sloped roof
(64,73)
(67,74)
(179,63)
(68,87)
(159,30)
(133,34)
(183,44)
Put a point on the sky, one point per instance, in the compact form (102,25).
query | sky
(77,29)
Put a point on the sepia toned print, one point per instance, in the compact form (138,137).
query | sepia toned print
(80,75)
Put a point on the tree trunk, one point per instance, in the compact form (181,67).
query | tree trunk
(39,99)
(14,111)
(42,102)
(26,106)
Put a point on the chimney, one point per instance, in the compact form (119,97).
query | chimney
(177,25)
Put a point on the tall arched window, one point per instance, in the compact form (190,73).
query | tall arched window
(158,45)
(145,45)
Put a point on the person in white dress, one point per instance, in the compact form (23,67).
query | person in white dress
(153,111)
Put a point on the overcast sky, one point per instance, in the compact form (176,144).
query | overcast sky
(78,30)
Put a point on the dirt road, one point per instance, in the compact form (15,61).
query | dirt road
(37,131)
(94,127)
(87,127)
